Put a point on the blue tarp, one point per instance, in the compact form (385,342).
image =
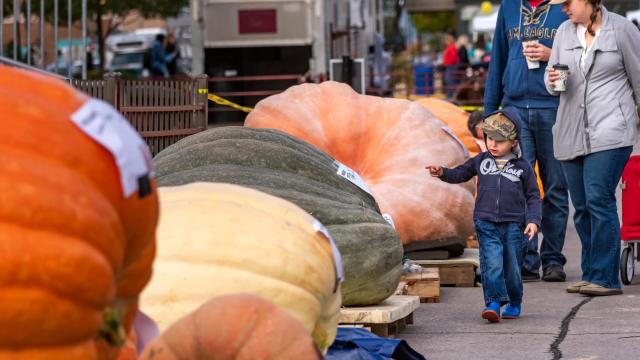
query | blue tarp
(360,344)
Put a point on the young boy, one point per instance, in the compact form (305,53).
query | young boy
(507,198)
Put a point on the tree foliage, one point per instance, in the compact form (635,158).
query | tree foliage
(120,8)
(434,22)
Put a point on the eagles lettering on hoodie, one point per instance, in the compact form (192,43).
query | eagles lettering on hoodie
(532,24)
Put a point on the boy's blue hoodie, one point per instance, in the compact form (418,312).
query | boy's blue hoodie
(509,81)
(510,194)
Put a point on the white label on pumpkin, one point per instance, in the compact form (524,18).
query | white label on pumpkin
(337,258)
(106,126)
(388,218)
(349,174)
(464,148)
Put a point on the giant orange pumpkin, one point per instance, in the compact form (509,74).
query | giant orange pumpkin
(388,142)
(234,327)
(74,252)
(455,118)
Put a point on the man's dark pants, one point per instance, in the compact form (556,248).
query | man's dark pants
(537,144)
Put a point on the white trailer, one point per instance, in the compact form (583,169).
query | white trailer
(273,37)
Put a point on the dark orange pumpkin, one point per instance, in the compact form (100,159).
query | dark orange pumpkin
(234,327)
(73,250)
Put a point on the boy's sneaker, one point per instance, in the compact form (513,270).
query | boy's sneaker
(511,311)
(528,276)
(492,312)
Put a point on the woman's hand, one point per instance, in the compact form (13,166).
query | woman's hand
(434,170)
(531,230)
(537,52)
(552,76)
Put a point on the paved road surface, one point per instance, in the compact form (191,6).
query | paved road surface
(554,325)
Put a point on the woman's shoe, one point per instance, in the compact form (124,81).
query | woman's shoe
(597,290)
(575,287)
(511,311)
(492,312)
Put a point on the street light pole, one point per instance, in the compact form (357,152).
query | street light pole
(16,20)
(84,39)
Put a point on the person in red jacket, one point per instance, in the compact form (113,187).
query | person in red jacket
(450,60)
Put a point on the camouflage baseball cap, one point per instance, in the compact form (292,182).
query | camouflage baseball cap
(499,127)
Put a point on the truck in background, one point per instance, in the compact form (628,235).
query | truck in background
(130,53)
(255,39)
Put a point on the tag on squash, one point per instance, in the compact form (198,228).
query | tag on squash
(101,122)
(337,258)
(388,218)
(349,174)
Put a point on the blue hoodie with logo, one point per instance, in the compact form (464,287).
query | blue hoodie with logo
(507,195)
(509,81)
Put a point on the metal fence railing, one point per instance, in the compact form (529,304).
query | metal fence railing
(24,14)
(7,61)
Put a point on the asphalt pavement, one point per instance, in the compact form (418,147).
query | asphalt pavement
(554,323)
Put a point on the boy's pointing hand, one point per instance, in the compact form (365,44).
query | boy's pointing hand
(531,230)
(434,170)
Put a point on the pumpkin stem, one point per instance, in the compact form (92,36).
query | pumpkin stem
(112,330)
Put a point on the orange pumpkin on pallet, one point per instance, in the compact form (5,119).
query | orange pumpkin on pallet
(387,142)
(74,251)
(234,327)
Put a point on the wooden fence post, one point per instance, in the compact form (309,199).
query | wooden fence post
(111,85)
(202,90)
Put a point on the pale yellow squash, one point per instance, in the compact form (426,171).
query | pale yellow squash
(217,239)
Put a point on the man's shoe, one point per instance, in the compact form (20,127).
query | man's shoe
(492,312)
(597,290)
(528,276)
(554,274)
(575,287)
(511,311)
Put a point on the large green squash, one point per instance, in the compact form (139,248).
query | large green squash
(276,163)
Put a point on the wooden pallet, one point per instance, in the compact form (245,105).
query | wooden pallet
(460,272)
(425,284)
(386,319)
(458,275)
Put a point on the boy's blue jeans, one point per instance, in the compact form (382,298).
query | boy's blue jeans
(592,184)
(501,256)
(537,144)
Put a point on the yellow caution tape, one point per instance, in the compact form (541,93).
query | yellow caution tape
(224,102)
(221,101)
(471,108)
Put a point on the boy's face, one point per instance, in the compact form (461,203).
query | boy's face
(500,148)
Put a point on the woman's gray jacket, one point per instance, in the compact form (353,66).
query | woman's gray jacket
(598,110)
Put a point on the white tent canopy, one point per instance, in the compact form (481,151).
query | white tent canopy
(484,23)
(635,14)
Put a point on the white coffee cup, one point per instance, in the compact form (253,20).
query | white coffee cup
(560,84)
(531,64)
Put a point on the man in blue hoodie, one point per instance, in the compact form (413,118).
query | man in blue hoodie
(510,82)
(507,204)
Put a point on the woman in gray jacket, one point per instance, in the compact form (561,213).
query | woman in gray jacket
(595,129)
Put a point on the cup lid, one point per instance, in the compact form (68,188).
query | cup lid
(530,38)
(561,67)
